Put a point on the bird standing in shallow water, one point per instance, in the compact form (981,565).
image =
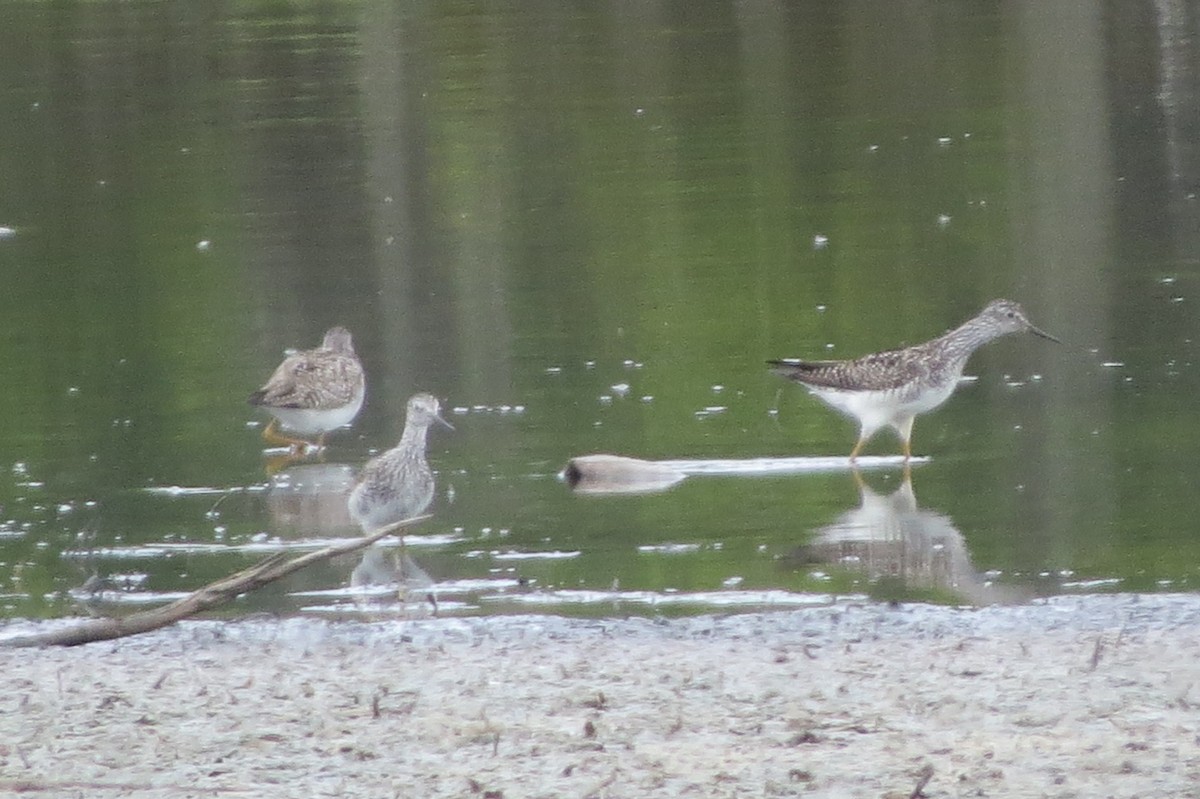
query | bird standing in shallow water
(398,484)
(314,391)
(892,387)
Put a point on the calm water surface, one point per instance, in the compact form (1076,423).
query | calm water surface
(586,228)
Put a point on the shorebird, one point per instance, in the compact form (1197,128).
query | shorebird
(892,387)
(313,392)
(398,484)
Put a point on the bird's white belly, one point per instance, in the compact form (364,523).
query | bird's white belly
(310,421)
(874,409)
(373,507)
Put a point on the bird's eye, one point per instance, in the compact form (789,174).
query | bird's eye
(1010,315)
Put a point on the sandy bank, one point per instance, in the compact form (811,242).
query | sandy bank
(1074,697)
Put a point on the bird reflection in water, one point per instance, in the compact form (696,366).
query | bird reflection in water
(383,566)
(397,485)
(906,552)
(308,498)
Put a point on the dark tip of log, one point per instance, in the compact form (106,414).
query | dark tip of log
(572,474)
(614,474)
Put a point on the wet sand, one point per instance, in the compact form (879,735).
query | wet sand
(1072,697)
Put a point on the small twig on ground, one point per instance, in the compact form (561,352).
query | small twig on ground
(1097,652)
(926,774)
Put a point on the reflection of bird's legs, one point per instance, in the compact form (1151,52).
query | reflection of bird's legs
(859,483)
(277,463)
(905,430)
(398,561)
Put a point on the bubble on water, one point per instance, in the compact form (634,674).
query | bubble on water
(203,245)
(820,241)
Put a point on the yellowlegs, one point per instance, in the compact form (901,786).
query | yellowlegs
(892,387)
(314,391)
(398,484)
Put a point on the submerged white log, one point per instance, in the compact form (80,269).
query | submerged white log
(618,474)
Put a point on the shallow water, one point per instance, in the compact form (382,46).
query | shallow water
(587,229)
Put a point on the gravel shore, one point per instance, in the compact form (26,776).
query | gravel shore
(1071,697)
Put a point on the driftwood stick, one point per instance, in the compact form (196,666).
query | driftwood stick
(83,787)
(214,594)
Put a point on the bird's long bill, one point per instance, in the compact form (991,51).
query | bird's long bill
(1039,332)
(438,417)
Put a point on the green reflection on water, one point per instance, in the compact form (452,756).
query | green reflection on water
(609,216)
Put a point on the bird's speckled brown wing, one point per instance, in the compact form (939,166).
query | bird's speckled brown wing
(879,371)
(311,380)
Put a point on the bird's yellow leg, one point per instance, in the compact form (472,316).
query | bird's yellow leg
(857,448)
(271,435)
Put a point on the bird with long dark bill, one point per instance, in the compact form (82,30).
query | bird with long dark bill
(891,388)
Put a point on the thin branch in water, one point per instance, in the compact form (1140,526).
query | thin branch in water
(215,593)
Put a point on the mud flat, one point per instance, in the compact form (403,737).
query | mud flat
(1070,697)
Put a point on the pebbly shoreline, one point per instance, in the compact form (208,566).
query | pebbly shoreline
(1069,697)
